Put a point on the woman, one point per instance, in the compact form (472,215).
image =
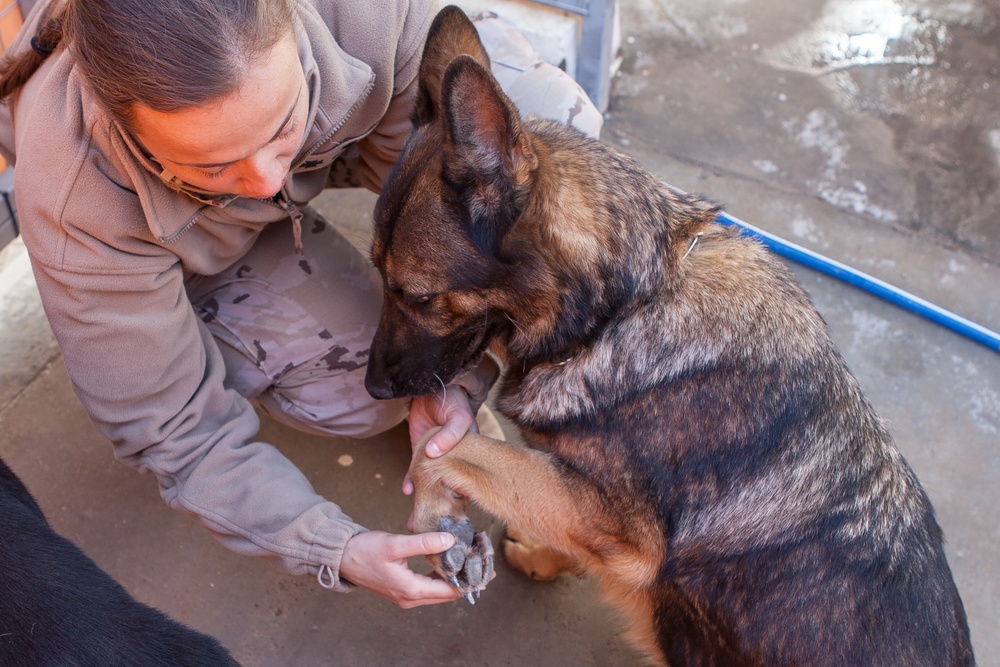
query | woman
(165,154)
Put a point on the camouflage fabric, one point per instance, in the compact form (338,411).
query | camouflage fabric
(294,330)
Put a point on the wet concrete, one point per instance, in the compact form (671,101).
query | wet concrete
(796,116)
(885,109)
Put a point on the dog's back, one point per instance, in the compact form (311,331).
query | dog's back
(58,608)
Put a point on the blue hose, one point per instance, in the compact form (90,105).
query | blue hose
(868,283)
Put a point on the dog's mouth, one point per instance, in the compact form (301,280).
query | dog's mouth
(420,384)
(387,388)
(412,375)
(413,382)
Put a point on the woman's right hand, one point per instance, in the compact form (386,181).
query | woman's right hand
(376,561)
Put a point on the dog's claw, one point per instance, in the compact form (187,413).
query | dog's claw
(468,565)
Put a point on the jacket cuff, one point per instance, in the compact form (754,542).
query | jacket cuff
(328,551)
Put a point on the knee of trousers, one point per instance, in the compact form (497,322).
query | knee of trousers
(294,332)
(537,88)
(330,411)
(312,397)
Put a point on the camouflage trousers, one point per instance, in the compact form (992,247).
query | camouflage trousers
(294,329)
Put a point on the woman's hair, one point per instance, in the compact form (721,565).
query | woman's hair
(162,54)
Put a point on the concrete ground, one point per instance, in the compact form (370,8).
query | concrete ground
(867,130)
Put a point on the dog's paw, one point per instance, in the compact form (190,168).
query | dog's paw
(468,565)
(534,560)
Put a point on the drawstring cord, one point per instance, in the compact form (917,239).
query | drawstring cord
(325,577)
(297,231)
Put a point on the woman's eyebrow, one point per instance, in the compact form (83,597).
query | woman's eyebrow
(281,128)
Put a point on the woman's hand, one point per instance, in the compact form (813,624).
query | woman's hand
(452,411)
(376,561)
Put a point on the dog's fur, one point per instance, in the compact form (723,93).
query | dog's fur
(695,439)
(57,607)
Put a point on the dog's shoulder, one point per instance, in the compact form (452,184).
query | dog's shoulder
(731,304)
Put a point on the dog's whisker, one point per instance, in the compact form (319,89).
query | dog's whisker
(444,388)
(516,325)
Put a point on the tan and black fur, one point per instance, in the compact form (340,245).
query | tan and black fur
(695,440)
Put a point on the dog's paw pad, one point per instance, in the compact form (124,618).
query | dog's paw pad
(468,565)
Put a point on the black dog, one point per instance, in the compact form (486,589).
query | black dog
(58,608)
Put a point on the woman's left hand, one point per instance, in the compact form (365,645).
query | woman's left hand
(452,411)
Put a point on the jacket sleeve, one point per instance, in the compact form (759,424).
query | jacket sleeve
(377,153)
(152,380)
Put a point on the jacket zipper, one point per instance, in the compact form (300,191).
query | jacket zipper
(295,214)
(333,130)
(283,200)
(167,240)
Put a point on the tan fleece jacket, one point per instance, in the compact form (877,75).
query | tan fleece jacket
(111,240)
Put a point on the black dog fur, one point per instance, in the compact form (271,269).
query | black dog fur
(58,608)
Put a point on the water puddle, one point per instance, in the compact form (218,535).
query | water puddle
(862,33)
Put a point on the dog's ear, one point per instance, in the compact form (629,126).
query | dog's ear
(487,154)
(451,35)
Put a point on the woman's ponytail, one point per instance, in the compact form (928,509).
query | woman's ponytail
(16,69)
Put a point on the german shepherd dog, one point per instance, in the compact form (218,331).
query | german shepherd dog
(57,607)
(695,440)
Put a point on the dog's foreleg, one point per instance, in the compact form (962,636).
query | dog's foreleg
(522,487)
(468,565)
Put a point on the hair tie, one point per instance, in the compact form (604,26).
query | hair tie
(42,47)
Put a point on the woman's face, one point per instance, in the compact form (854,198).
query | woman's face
(241,144)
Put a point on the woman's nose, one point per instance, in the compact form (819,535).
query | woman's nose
(263,175)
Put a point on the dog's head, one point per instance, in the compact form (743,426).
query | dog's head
(456,190)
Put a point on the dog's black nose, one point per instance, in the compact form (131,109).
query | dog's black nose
(381,388)
(378,390)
